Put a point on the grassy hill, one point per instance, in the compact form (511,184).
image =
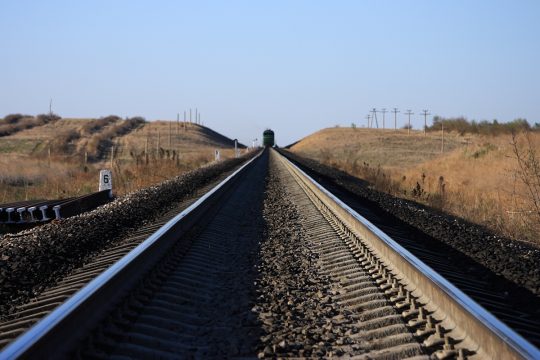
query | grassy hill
(476,177)
(377,147)
(63,158)
(76,136)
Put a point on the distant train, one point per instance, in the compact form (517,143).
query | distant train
(268,138)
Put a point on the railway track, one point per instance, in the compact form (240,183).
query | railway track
(193,288)
(515,306)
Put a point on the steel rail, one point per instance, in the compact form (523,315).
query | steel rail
(492,338)
(52,336)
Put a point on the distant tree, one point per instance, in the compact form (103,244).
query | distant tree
(485,127)
(353,125)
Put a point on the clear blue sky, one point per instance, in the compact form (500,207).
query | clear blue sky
(293,66)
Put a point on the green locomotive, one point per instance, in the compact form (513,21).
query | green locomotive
(268,138)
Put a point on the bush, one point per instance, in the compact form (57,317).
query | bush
(13,118)
(16,122)
(461,125)
(95,125)
(100,142)
(47,118)
(528,173)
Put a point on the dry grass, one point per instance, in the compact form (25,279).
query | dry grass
(27,171)
(384,147)
(476,178)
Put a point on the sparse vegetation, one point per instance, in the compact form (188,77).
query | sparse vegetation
(28,172)
(528,173)
(407,127)
(102,141)
(94,126)
(486,179)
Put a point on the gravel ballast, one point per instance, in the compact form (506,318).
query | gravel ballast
(34,259)
(514,260)
(300,287)
(288,305)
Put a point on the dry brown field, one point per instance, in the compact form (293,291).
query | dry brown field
(63,158)
(475,177)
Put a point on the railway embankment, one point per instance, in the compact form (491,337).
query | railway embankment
(33,260)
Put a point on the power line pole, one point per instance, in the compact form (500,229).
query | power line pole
(112,156)
(177,123)
(425,113)
(368,117)
(383,110)
(374,111)
(146,148)
(409,113)
(50,107)
(442,137)
(170,134)
(189,114)
(395,111)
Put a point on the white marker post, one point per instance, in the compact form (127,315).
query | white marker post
(105,181)
(236,148)
(217,155)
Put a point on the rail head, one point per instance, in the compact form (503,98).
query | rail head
(30,343)
(496,340)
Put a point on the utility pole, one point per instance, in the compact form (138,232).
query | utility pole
(112,156)
(189,114)
(50,107)
(368,117)
(409,113)
(425,113)
(177,123)
(185,120)
(383,110)
(170,134)
(442,137)
(374,117)
(196,115)
(146,148)
(395,111)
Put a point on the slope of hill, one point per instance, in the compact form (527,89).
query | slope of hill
(63,158)
(387,148)
(476,177)
(76,137)
(183,137)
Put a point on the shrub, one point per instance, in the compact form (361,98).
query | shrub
(16,122)
(100,142)
(13,118)
(461,125)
